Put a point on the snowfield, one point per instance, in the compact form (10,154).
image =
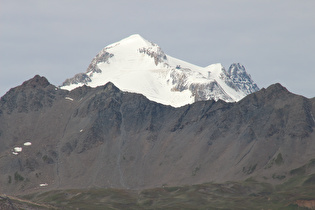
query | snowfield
(139,66)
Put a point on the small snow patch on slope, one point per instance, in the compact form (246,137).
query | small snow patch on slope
(28,143)
(17,149)
(68,98)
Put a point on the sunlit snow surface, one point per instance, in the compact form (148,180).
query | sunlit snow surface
(68,98)
(27,143)
(132,70)
(17,149)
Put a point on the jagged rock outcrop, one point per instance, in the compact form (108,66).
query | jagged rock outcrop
(237,78)
(32,95)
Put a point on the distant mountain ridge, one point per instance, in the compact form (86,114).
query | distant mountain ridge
(105,138)
(139,66)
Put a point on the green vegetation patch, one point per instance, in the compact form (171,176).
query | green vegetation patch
(194,172)
(279,159)
(303,169)
(298,171)
(310,180)
(18,177)
(250,169)
(249,194)
(277,176)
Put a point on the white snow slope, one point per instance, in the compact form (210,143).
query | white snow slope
(139,66)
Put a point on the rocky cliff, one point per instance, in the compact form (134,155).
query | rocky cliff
(103,137)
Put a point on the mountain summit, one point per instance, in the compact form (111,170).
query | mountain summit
(140,66)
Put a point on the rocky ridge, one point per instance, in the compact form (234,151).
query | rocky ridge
(103,137)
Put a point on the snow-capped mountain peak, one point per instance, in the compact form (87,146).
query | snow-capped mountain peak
(135,41)
(137,65)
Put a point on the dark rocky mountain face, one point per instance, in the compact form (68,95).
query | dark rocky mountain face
(103,137)
(237,78)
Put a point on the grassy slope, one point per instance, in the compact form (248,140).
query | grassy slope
(249,194)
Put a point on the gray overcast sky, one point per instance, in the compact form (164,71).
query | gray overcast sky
(273,39)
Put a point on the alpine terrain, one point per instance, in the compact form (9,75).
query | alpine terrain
(139,66)
(102,137)
(143,130)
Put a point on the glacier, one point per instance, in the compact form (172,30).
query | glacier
(137,65)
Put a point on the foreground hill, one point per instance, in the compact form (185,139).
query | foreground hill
(296,193)
(105,138)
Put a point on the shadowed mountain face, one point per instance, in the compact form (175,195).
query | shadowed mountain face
(103,137)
